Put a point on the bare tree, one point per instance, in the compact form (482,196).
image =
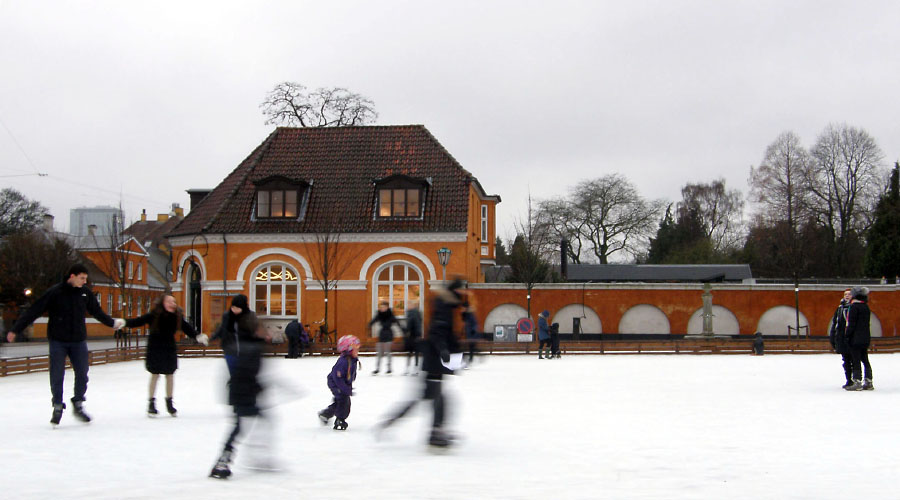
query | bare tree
(720,211)
(778,183)
(289,103)
(527,264)
(330,257)
(844,181)
(615,217)
(19,214)
(33,260)
(562,221)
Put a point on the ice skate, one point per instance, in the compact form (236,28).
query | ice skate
(340,424)
(221,469)
(324,417)
(847,384)
(855,386)
(440,439)
(867,385)
(57,413)
(151,408)
(78,411)
(170,407)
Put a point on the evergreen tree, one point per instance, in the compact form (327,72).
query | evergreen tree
(500,250)
(883,252)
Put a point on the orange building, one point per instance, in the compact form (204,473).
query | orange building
(331,221)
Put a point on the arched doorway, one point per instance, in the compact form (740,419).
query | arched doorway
(195,297)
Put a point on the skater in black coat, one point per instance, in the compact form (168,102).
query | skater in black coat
(413,333)
(165,319)
(67,304)
(238,320)
(436,349)
(858,337)
(838,337)
(243,390)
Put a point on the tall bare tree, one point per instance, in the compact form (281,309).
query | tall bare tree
(289,103)
(720,211)
(562,221)
(330,257)
(616,217)
(844,181)
(526,260)
(18,214)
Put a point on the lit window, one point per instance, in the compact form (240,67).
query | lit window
(399,284)
(276,203)
(399,202)
(276,290)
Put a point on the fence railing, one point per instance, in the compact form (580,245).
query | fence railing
(29,364)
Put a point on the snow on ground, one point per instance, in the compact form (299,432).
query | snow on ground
(592,426)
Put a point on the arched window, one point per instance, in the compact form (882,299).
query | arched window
(276,290)
(399,284)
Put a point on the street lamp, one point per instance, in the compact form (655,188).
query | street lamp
(444,259)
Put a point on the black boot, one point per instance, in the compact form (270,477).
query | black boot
(151,408)
(440,439)
(57,413)
(222,470)
(170,407)
(324,417)
(867,385)
(340,424)
(78,411)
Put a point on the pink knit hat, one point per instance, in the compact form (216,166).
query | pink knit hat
(347,342)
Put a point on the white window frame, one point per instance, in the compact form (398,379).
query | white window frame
(269,284)
(392,281)
(484,223)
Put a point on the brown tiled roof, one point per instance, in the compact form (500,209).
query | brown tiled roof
(341,164)
(153,231)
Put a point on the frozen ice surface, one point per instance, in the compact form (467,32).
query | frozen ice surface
(591,426)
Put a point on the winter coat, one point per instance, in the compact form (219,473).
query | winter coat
(234,327)
(441,341)
(292,330)
(837,335)
(161,355)
(543,328)
(342,375)
(413,329)
(67,306)
(244,386)
(858,334)
(385,320)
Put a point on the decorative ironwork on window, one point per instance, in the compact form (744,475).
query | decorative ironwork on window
(276,289)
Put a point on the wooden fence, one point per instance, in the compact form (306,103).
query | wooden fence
(28,364)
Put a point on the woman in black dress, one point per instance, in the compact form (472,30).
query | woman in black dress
(165,318)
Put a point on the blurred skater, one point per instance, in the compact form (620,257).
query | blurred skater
(412,335)
(165,318)
(244,387)
(67,304)
(238,318)
(470,326)
(340,381)
(438,345)
(858,338)
(386,321)
(838,337)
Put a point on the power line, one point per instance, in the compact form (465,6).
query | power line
(21,149)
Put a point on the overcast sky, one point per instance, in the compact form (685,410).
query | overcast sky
(143,100)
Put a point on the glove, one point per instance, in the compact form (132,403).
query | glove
(202,338)
(118,324)
(445,355)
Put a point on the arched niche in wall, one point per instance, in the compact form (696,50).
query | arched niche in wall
(724,322)
(776,321)
(644,318)
(505,314)
(590,322)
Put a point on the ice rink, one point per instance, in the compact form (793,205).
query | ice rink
(592,426)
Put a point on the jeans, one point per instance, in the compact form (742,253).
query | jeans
(78,356)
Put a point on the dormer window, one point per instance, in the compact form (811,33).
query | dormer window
(278,198)
(400,196)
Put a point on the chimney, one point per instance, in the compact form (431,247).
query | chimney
(563,265)
(162,217)
(197,195)
(177,211)
(48,222)
(144,215)
(92,229)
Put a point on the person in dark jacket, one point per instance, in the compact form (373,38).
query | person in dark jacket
(340,382)
(239,318)
(386,321)
(165,319)
(244,387)
(554,341)
(544,333)
(858,338)
(838,338)
(413,333)
(292,332)
(437,347)
(67,304)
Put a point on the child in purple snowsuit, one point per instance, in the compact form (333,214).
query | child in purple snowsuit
(340,381)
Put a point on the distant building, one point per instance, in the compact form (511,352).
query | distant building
(84,220)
